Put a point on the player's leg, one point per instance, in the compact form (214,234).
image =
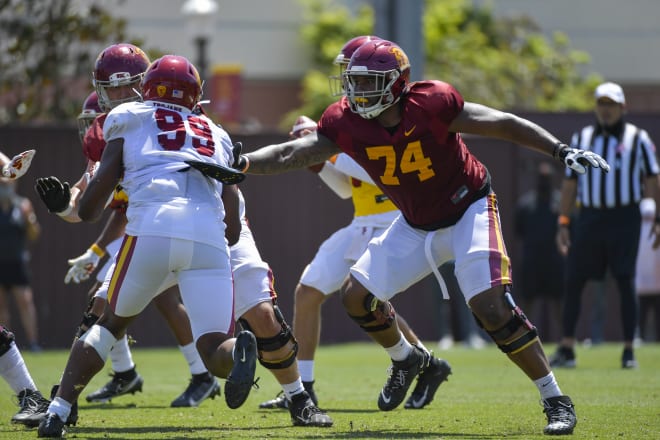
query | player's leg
(14,371)
(483,270)
(202,384)
(206,287)
(28,312)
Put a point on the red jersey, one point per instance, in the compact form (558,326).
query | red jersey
(426,170)
(93,142)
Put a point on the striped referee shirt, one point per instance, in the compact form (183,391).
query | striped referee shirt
(632,158)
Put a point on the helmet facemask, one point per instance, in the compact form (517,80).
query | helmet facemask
(370,92)
(118,79)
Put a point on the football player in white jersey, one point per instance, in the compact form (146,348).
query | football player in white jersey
(175,233)
(117,73)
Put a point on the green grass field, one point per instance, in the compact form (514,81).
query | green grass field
(486,397)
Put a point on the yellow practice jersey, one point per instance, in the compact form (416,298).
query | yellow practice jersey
(368,199)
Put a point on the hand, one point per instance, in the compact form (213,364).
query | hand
(82,266)
(55,194)
(579,160)
(18,165)
(240,162)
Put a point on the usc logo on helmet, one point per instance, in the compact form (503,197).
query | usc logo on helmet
(401,57)
(161,90)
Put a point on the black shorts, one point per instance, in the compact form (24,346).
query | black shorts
(14,273)
(605,239)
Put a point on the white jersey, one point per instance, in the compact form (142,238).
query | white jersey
(166,200)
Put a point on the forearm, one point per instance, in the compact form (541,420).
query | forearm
(528,134)
(291,155)
(114,228)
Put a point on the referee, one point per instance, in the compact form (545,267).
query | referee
(606,229)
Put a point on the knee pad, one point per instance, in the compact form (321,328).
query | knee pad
(382,313)
(88,320)
(99,338)
(6,339)
(275,343)
(503,336)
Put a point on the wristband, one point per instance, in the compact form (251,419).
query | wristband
(67,211)
(97,250)
(247,163)
(563,220)
(558,147)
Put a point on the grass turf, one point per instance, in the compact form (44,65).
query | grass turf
(486,397)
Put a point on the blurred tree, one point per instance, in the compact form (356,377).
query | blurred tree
(505,63)
(47,54)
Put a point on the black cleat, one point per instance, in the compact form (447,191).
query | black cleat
(402,374)
(241,377)
(305,413)
(201,387)
(281,402)
(278,402)
(115,388)
(51,426)
(563,357)
(33,408)
(560,412)
(428,382)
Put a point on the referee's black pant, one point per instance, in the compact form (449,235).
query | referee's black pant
(603,239)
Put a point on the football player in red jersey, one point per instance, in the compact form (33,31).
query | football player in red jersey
(406,135)
(118,70)
(323,276)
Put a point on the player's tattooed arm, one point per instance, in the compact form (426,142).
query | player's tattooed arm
(295,154)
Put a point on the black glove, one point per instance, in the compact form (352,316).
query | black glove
(239,161)
(55,194)
(226,175)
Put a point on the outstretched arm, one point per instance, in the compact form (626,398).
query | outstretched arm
(298,153)
(486,121)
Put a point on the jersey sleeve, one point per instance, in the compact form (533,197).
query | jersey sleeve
(93,141)
(118,122)
(448,102)
(649,153)
(345,164)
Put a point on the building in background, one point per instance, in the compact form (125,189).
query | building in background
(263,38)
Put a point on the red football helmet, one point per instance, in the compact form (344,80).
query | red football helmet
(172,79)
(376,77)
(90,110)
(116,66)
(342,59)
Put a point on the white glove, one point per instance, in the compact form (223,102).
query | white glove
(18,165)
(580,160)
(83,266)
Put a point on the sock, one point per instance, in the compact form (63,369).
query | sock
(195,362)
(293,388)
(306,369)
(60,407)
(400,350)
(14,371)
(548,386)
(120,356)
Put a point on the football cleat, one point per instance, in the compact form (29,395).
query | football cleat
(281,402)
(51,426)
(33,408)
(560,412)
(305,413)
(115,388)
(428,382)
(202,386)
(563,357)
(402,373)
(241,377)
